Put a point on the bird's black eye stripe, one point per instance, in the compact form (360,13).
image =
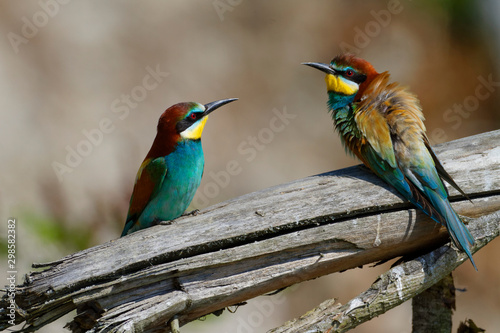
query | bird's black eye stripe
(188,121)
(354,76)
(182,125)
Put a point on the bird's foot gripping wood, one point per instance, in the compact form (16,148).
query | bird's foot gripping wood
(165,222)
(192,213)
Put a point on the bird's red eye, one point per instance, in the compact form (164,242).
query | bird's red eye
(192,116)
(349,72)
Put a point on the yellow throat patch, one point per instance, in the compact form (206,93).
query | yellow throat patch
(340,85)
(194,131)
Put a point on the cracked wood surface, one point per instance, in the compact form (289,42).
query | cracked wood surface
(251,245)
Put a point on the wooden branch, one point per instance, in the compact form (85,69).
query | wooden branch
(251,245)
(394,287)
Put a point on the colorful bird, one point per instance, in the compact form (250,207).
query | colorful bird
(171,172)
(382,124)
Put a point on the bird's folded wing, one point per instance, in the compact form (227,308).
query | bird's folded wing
(442,172)
(147,183)
(381,155)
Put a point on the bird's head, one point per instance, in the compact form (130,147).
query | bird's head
(347,76)
(182,121)
(187,120)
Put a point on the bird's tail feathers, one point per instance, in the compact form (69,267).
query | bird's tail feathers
(459,233)
(421,201)
(440,210)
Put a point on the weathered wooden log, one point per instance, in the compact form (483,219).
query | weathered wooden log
(397,285)
(248,246)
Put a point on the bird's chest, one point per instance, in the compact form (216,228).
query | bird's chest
(184,171)
(182,179)
(185,168)
(346,125)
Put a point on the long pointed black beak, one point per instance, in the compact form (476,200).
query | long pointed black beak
(217,104)
(322,67)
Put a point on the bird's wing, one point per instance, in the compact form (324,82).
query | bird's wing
(147,183)
(378,151)
(370,117)
(441,171)
(391,122)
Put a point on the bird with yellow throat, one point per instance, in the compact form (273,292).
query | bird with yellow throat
(171,172)
(382,124)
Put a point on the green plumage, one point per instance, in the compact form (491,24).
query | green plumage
(176,178)
(171,172)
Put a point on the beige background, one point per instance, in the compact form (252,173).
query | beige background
(66,66)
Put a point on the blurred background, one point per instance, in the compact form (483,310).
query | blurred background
(82,85)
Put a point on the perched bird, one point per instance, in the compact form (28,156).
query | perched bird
(171,172)
(382,124)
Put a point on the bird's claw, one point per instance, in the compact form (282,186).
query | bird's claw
(192,213)
(165,222)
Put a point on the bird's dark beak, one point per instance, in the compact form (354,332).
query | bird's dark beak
(322,67)
(217,104)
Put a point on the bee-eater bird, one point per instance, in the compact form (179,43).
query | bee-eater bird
(171,172)
(382,124)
